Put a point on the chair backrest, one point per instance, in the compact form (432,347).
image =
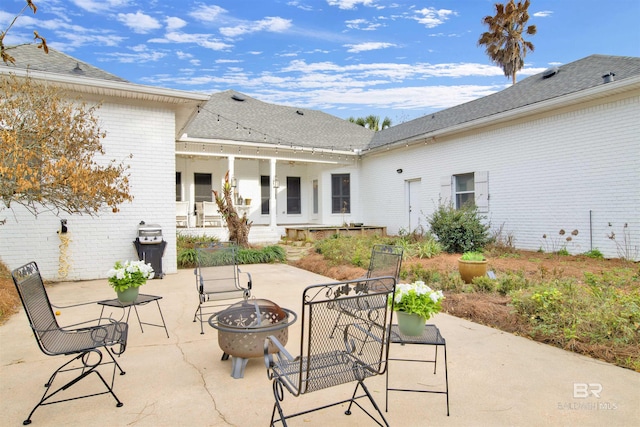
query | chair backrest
(182,209)
(217,269)
(385,261)
(360,349)
(37,306)
(210,208)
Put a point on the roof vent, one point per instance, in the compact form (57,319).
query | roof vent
(237,97)
(608,78)
(299,113)
(78,69)
(549,72)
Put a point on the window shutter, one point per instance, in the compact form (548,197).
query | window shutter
(445,190)
(481,183)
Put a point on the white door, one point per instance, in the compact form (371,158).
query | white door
(414,205)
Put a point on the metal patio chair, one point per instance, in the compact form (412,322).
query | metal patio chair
(83,340)
(218,279)
(386,260)
(360,351)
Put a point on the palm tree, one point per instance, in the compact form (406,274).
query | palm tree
(504,42)
(371,122)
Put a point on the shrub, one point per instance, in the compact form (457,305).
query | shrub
(459,230)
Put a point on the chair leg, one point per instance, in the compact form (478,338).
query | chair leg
(278,394)
(373,402)
(199,317)
(87,368)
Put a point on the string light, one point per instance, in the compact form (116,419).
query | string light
(265,137)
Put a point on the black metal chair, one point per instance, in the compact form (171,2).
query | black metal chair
(218,279)
(360,351)
(83,340)
(386,260)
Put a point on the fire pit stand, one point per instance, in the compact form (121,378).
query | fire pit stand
(243,327)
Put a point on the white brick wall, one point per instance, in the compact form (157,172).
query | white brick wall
(545,174)
(146,132)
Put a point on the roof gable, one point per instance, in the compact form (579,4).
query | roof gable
(234,116)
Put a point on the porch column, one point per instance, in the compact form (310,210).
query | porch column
(273,205)
(230,166)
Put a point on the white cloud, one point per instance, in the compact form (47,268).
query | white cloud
(543,14)
(203,40)
(138,57)
(362,24)
(362,47)
(139,22)
(269,24)
(431,17)
(174,23)
(207,13)
(350,4)
(301,6)
(97,6)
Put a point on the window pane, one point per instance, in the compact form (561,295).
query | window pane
(464,199)
(464,182)
(264,194)
(202,187)
(178,186)
(294,205)
(315,196)
(340,193)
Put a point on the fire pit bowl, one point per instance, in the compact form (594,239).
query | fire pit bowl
(243,327)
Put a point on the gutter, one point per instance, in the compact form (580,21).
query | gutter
(122,89)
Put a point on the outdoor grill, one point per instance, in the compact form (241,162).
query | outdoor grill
(243,327)
(150,246)
(149,234)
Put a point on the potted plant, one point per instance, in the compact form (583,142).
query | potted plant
(128,277)
(472,264)
(415,303)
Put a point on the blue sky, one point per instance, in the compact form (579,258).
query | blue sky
(350,58)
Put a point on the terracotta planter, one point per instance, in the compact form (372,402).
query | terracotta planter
(470,269)
(410,324)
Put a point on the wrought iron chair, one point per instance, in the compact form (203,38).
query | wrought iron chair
(386,260)
(360,351)
(218,279)
(82,340)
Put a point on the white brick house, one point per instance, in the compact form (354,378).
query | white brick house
(139,120)
(559,150)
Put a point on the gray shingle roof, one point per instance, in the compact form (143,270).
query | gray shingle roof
(226,117)
(30,57)
(570,78)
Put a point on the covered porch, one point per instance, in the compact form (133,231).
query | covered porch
(275,187)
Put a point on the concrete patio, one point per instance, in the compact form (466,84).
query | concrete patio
(495,378)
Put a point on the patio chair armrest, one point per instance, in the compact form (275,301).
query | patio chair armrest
(250,281)
(74,305)
(95,323)
(269,359)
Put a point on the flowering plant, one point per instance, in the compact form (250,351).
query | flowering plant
(417,298)
(131,274)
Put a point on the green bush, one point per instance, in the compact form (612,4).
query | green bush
(459,230)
